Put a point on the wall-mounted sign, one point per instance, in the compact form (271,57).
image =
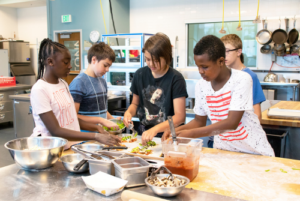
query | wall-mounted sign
(66,18)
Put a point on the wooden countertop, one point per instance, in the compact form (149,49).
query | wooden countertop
(292,105)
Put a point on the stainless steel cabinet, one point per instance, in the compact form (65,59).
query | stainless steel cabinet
(23,120)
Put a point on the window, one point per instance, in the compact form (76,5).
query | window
(198,30)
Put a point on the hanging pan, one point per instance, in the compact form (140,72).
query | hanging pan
(293,35)
(264,36)
(279,36)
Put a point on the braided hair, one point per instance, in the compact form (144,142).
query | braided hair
(47,49)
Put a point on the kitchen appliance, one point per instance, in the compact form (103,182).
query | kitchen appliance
(19,61)
(4,67)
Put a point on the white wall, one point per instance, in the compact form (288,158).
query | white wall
(169,17)
(8,22)
(32,26)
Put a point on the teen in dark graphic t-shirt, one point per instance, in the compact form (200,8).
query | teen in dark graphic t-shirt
(158,90)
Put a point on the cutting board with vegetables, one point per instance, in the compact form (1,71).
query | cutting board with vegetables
(247,176)
(156,150)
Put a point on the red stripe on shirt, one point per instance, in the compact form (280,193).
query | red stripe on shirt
(218,95)
(222,115)
(219,101)
(233,135)
(219,105)
(220,110)
(235,139)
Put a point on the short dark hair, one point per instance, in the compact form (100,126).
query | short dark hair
(159,45)
(212,46)
(101,51)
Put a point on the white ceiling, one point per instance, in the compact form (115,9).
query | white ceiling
(26,4)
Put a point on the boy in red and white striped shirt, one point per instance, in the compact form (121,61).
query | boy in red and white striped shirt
(225,96)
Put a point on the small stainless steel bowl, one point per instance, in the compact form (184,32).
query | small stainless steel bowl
(118,131)
(71,160)
(167,191)
(50,150)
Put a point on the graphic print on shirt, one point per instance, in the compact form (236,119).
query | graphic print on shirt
(219,108)
(153,112)
(64,107)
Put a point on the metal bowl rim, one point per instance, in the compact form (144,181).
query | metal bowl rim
(177,175)
(48,137)
(65,156)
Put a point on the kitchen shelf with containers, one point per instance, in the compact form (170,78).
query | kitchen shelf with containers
(129,58)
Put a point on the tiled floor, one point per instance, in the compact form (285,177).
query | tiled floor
(6,134)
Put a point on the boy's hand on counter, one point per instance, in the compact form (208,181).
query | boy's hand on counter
(111,125)
(127,119)
(110,140)
(148,136)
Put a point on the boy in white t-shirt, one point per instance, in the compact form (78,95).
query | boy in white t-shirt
(225,96)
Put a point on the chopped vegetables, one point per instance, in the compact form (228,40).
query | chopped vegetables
(295,168)
(141,150)
(283,171)
(267,170)
(149,144)
(129,138)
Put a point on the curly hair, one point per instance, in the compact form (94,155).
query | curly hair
(101,51)
(212,46)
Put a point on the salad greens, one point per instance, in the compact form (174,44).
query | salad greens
(121,126)
(129,137)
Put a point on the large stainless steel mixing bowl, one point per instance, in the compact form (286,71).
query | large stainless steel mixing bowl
(167,191)
(36,152)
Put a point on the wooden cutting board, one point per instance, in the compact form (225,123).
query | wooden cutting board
(289,105)
(244,176)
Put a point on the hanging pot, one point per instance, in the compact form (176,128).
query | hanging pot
(279,36)
(279,49)
(265,49)
(293,35)
(264,36)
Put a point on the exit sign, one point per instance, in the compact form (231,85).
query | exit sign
(66,18)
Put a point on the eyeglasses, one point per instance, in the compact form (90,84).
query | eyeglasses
(227,51)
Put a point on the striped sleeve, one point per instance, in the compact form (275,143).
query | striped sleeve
(78,90)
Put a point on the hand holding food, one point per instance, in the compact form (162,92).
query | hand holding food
(148,135)
(166,135)
(120,126)
(127,119)
(109,125)
(129,139)
(101,130)
(110,140)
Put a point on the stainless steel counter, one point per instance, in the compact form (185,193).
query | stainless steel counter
(56,184)
(17,87)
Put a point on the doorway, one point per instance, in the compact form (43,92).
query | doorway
(72,40)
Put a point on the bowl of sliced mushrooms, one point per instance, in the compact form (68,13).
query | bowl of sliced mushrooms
(167,185)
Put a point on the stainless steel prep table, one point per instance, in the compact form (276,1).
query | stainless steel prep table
(57,184)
